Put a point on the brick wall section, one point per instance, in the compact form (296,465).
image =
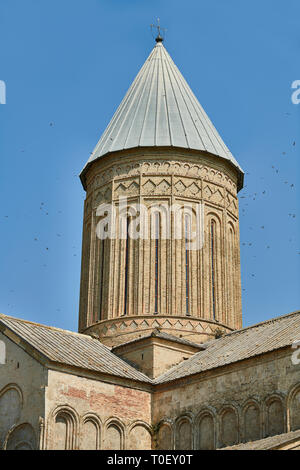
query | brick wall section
(107,403)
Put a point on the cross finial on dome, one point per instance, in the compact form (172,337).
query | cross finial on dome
(159,37)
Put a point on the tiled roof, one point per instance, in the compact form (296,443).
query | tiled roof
(267,443)
(238,345)
(74,349)
(161,334)
(78,350)
(160,110)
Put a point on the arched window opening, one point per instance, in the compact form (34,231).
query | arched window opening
(127,246)
(156,278)
(231,271)
(187,229)
(85,318)
(101,279)
(213,266)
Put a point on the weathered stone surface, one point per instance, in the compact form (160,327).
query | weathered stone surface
(238,403)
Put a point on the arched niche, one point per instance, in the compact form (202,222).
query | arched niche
(294,409)
(274,416)
(229,431)
(139,437)
(90,433)
(184,434)
(21,437)
(252,428)
(206,432)
(64,430)
(165,437)
(11,402)
(114,436)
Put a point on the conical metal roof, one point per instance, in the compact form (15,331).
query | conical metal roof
(160,110)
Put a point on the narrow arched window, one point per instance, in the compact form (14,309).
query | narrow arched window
(127,244)
(156,275)
(187,229)
(231,270)
(101,279)
(85,318)
(213,265)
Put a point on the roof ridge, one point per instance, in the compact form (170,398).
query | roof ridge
(156,333)
(270,320)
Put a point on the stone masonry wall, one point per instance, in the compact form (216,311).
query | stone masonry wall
(243,402)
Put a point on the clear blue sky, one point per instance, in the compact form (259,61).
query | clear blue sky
(68,63)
